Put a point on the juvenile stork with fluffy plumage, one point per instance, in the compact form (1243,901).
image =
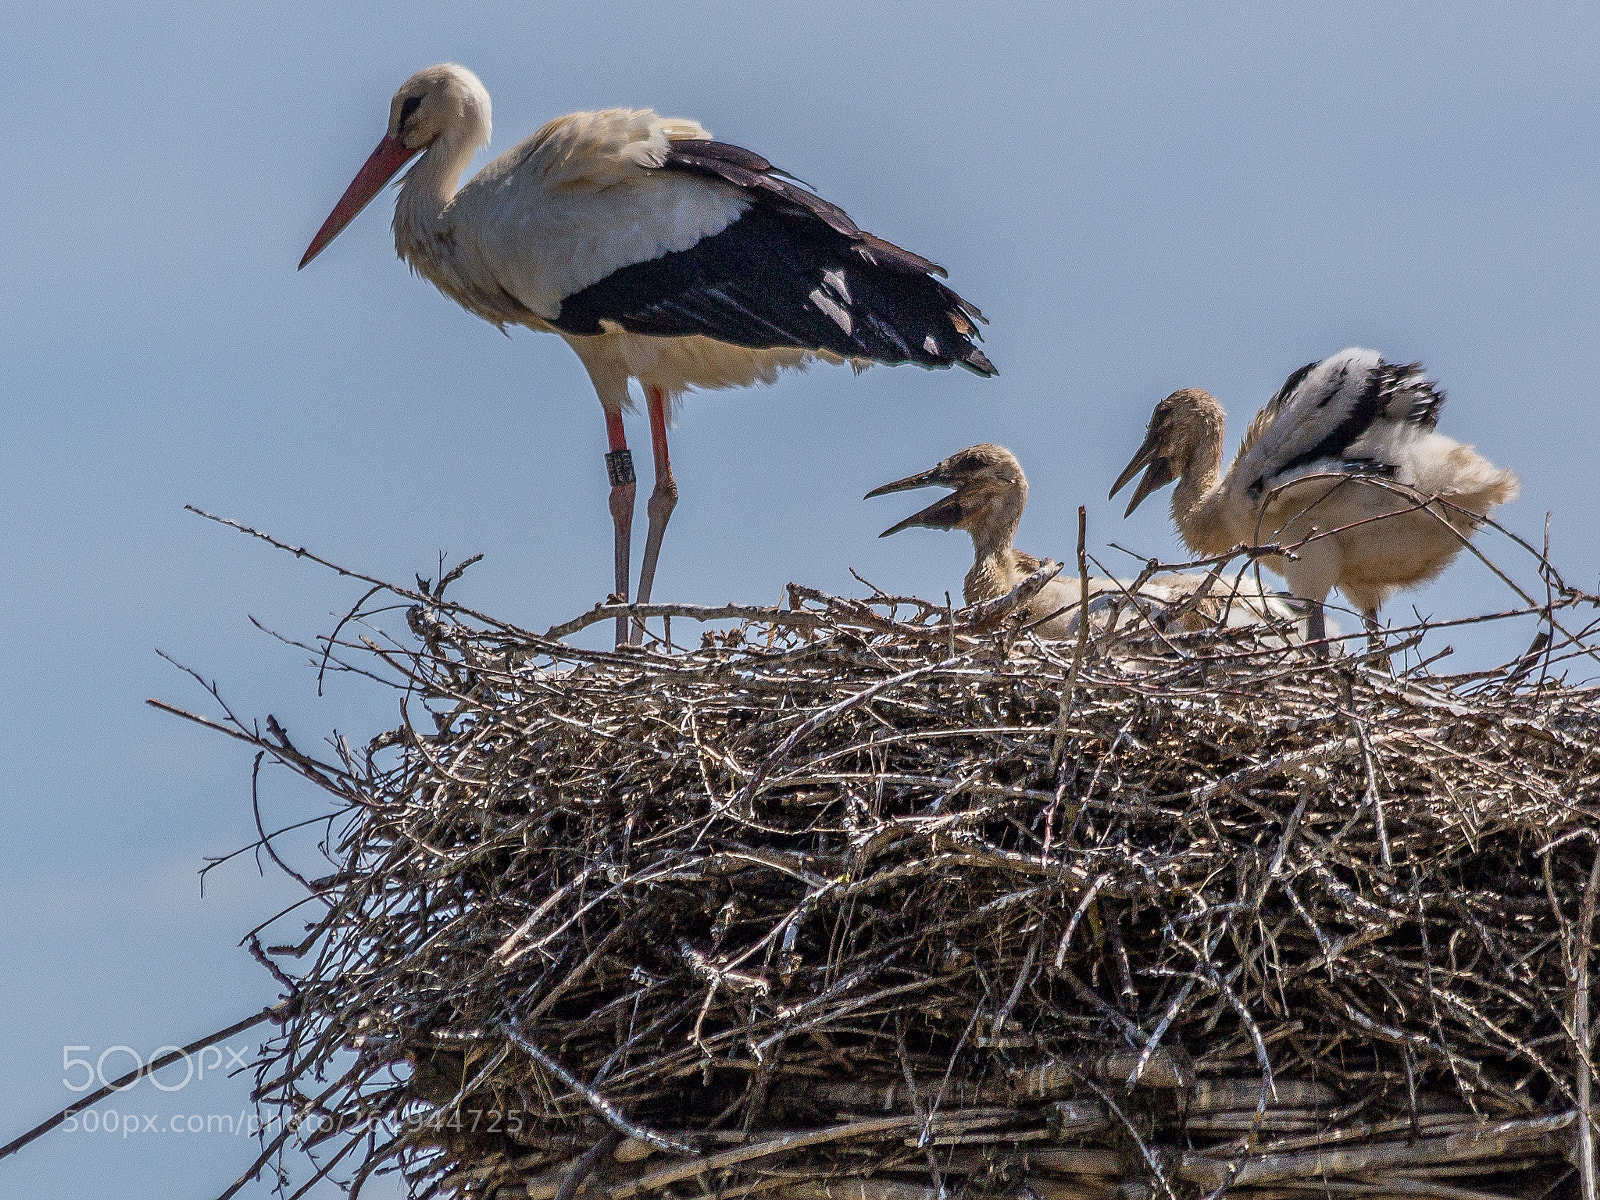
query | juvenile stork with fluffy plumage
(989,496)
(1310,471)
(657,253)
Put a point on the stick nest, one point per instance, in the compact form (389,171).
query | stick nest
(871,901)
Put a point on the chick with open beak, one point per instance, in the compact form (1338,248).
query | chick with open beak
(1162,456)
(990,494)
(989,497)
(990,490)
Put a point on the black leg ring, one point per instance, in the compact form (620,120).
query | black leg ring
(619,465)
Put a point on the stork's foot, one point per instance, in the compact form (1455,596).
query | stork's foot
(663,499)
(619,465)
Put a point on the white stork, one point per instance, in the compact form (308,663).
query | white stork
(1297,479)
(658,254)
(990,495)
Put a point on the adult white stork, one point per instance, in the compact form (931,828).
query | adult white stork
(1298,479)
(990,495)
(658,254)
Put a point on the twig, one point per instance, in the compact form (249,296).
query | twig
(606,1110)
(277,1012)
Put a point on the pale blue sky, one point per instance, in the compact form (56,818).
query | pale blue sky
(1140,197)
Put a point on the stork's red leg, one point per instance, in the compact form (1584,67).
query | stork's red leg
(619,466)
(663,498)
(1375,643)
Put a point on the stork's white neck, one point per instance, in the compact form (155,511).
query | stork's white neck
(1198,502)
(428,189)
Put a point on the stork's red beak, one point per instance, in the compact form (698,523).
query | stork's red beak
(386,160)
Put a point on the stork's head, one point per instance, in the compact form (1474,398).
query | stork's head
(436,101)
(1184,428)
(987,479)
(445,104)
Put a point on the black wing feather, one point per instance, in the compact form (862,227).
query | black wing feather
(1387,383)
(793,271)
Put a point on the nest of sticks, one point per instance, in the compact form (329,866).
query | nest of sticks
(872,900)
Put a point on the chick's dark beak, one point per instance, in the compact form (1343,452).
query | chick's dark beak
(941,514)
(933,477)
(1157,469)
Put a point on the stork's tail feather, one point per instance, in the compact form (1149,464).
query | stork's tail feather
(1479,486)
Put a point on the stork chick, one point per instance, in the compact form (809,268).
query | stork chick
(1301,477)
(990,495)
(657,253)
